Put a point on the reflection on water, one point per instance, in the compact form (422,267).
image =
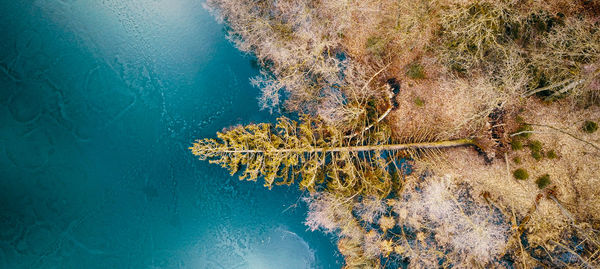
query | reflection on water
(99,101)
(282,249)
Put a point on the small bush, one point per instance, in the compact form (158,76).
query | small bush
(516,144)
(517,160)
(543,181)
(590,126)
(475,35)
(551,154)
(540,22)
(415,71)
(568,46)
(537,155)
(458,68)
(521,174)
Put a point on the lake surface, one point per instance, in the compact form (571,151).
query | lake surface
(99,102)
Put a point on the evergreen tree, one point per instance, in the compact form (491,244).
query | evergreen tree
(314,152)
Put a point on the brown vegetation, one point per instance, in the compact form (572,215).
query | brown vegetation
(520,79)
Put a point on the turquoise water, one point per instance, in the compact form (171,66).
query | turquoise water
(99,101)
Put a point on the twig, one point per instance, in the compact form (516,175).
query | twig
(372,124)
(518,237)
(572,252)
(567,133)
(526,132)
(507,165)
(573,84)
(382,116)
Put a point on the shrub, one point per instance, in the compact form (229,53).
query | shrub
(543,181)
(521,174)
(590,126)
(570,45)
(274,31)
(516,144)
(537,155)
(474,35)
(465,231)
(370,209)
(551,154)
(325,211)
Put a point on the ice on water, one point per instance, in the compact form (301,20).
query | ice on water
(99,101)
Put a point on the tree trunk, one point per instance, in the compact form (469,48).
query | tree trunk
(423,145)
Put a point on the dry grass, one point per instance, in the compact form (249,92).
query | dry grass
(447,109)
(575,178)
(567,7)
(575,172)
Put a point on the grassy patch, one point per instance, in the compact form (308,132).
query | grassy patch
(543,181)
(371,110)
(415,71)
(521,174)
(376,46)
(284,30)
(551,154)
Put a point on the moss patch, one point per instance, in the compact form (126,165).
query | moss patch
(543,181)
(517,160)
(535,145)
(536,149)
(516,144)
(590,126)
(419,102)
(521,174)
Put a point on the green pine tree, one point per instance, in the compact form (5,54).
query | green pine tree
(318,154)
